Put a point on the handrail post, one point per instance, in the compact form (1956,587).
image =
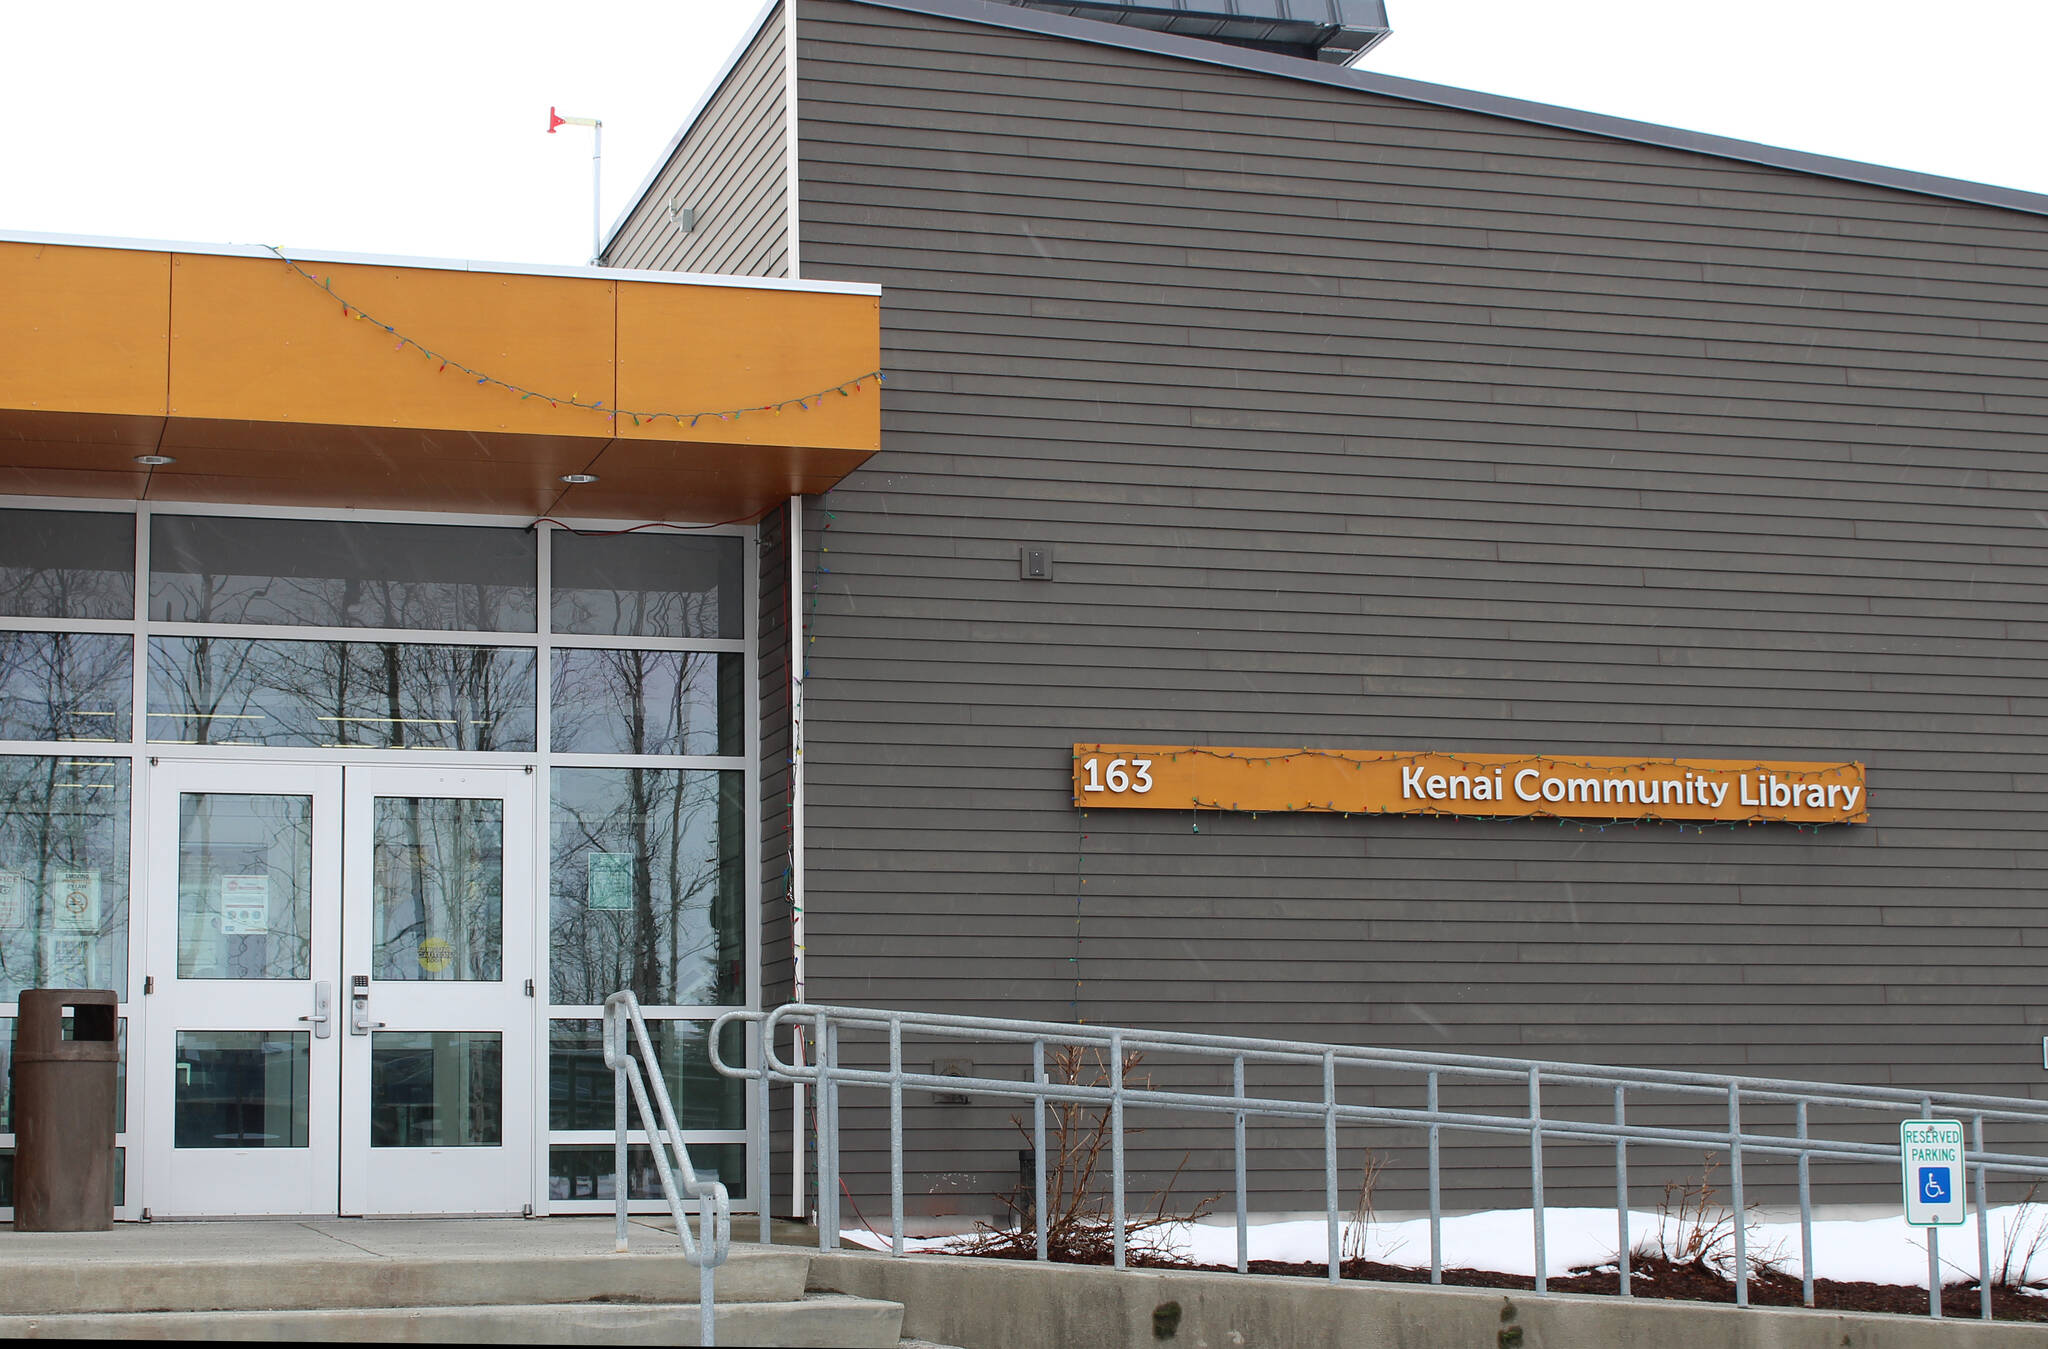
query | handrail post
(828,1102)
(1805,1212)
(1330,1161)
(1244,1244)
(1536,1177)
(821,1111)
(1038,1142)
(763,1163)
(1621,1189)
(613,1022)
(1436,1206)
(1116,1138)
(895,1136)
(1735,1185)
(1983,1229)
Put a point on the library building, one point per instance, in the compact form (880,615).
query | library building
(1085,512)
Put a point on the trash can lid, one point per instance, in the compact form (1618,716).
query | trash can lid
(39,1026)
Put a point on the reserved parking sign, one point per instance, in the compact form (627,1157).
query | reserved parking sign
(1931,1170)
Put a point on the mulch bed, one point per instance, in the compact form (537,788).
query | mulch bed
(1648,1278)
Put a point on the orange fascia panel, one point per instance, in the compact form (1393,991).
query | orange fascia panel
(251,340)
(694,349)
(84,329)
(1601,788)
(245,371)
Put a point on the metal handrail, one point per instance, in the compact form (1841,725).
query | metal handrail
(714,1206)
(827,1074)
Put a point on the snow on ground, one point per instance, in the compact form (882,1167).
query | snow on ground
(1876,1250)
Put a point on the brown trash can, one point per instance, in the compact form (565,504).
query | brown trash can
(64,1110)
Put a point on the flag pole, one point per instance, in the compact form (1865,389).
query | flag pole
(555,119)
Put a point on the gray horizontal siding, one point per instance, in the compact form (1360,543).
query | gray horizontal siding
(732,169)
(1362,423)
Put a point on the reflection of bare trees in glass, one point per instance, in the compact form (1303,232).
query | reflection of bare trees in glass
(58,815)
(341,573)
(63,686)
(391,695)
(646,585)
(439,877)
(67,564)
(641,702)
(251,838)
(680,938)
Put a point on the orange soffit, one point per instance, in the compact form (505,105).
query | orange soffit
(1366,782)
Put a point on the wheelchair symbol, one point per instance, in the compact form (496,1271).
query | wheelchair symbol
(1934,1184)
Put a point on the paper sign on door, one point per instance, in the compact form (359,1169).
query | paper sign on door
(244,906)
(13,900)
(77,895)
(611,880)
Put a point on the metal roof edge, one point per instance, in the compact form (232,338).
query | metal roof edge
(583,271)
(1493,105)
(675,143)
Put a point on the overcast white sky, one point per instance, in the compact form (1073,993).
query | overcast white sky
(417,128)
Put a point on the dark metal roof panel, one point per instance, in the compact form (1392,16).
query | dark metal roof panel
(1007,15)
(1326,30)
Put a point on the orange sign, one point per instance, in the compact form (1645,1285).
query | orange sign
(1394,782)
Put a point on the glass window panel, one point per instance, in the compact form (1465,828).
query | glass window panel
(437,890)
(245,886)
(7,1074)
(580,1086)
(647,886)
(646,585)
(437,1089)
(63,873)
(7,1177)
(341,573)
(584,1171)
(386,695)
(67,564)
(648,702)
(64,686)
(240,1089)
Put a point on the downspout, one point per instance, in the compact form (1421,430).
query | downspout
(797,649)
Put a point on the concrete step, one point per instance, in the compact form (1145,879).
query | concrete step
(820,1320)
(191,1282)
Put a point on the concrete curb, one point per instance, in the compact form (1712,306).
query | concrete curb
(47,1287)
(1005,1304)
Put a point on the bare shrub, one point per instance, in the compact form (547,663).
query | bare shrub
(1695,1229)
(1080,1227)
(1358,1232)
(2025,1234)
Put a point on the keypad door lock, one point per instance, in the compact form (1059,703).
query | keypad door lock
(359,1022)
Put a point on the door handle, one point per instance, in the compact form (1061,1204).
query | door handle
(323,1010)
(359,1022)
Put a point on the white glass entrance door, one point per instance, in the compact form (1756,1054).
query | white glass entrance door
(340,1018)
(242,1085)
(438,1014)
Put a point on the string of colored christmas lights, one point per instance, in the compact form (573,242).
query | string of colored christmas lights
(1196,805)
(638,417)
(1360,758)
